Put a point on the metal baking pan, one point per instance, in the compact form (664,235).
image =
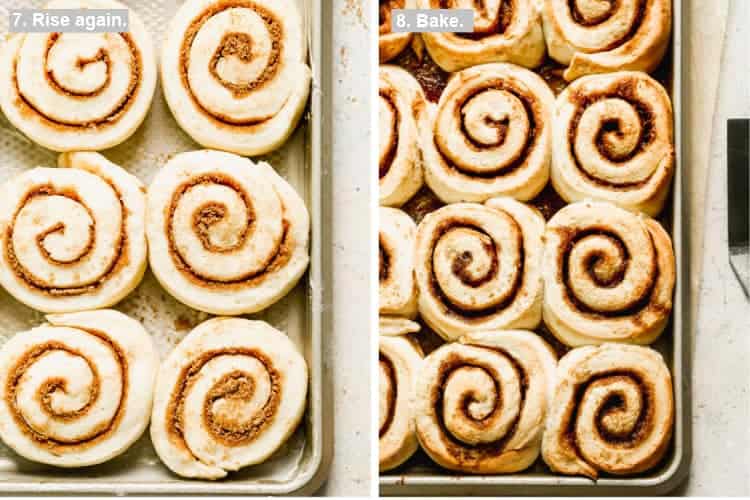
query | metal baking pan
(419,476)
(301,465)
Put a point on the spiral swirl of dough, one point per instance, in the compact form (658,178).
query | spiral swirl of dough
(403,114)
(609,275)
(504,31)
(613,141)
(391,44)
(399,360)
(481,403)
(226,235)
(478,267)
(602,36)
(72,238)
(78,91)
(398,292)
(228,396)
(613,411)
(234,72)
(77,391)
(492,135)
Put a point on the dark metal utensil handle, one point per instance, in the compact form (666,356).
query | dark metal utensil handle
(738,173)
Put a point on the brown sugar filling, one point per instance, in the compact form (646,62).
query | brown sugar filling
(385,12)
(459,268)
(119,108)
(209,214)
(469,455)
(119,260)
(238,45)
(500,23)
(44,394)
(387,160)
(236,385)
(384,263)
(614,5)
(638,306)
(626,90)
(536,126)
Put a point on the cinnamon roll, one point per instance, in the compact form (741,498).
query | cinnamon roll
(398,293)
(77,390)
(72,238)
(613,411)
(78,91)
(227,396)
(613,141)
(234,72)
(226,235)
(504,31)
(403,114)
(399,360)
(478,267)
(601,37)
(609,275)
(392,44)
(481,403)
(492,135)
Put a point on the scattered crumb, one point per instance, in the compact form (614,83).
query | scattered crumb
(354,8)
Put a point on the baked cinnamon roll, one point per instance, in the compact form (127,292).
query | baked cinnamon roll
(227,396)
(601,37)
(609,275)
(226,235)
(78,91)
(613,141)
(504,31)
(481,402)
(392,44)
(234,72)
(492,135)
(612,412)
(478,267)
(73,238)
(77,391)
(399,360)
(404,114)
(398,292)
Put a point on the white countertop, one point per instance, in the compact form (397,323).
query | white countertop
(721,372)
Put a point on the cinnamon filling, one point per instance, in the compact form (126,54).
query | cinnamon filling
(581,19)
(469,455)
(238,386)
(460,265)
(510,165)
(118,109)
(391,394)
(118,261)
(626,90)
(209,214)
(385,12)
(52,385)
(234,45)
(386,161)
(385,260)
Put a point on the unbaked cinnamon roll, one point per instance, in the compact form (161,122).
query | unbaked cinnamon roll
(399,360)
(492,135)
(78,91)
(613,411)
(73,238)
(609,275)
(392,44)
(601,37)
(404,114)
(227,396)
(226,235)
(481,403)
(234,72)
(613,141)
(504,31)
(478,267)
(398,292)
(77,390)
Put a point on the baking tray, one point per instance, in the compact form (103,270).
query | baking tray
(301,465)
(419,476)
